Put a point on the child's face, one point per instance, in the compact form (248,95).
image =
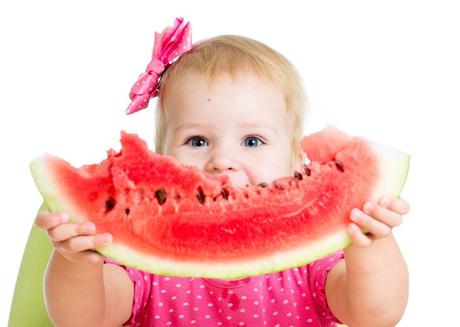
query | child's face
(238,128)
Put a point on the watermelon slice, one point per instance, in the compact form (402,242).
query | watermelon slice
(174,220)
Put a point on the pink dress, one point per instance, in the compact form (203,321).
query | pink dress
(294,297)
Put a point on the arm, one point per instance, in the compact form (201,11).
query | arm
(370,287)
(87,294)
(79,289)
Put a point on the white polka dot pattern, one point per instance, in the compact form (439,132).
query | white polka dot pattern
(294,297)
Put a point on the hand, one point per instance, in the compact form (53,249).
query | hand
(76,242)
(377,219)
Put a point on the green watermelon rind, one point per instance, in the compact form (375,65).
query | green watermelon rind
(394,166)
(49,189)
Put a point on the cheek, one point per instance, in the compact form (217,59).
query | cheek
(189,158)
(269,170)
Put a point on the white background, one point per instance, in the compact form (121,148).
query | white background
(388,70)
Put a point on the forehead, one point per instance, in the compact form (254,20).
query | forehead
(245,100)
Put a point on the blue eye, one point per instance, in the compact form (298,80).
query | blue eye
(252,141)
(196,141)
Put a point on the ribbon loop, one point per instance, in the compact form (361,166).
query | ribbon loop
(168,46)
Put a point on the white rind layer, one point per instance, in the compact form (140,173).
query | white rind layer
(233,269)
(393,167)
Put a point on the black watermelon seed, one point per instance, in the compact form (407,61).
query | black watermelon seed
(110,204)
(160,194)
(279,186)
(307,170)
(339,165)
(127,211)
(224,193)
(298,175)
(263,184)
(200,195)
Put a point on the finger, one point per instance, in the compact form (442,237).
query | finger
(386,216)
(370,224)
(357,236)
(83,243)
(65,231)
(46,220)
(399,205)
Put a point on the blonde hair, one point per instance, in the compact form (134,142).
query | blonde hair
(233,54)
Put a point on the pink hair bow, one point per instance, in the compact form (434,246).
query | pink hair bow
(169,45)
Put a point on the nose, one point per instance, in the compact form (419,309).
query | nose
(221,161)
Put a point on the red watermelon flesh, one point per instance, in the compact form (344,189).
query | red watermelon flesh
(170,219)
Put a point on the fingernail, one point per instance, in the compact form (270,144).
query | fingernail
(89,227)
(355,214)
(64,217)
(385,201)
(106,238)
(368,207)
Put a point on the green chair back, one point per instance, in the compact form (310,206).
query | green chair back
(28,306)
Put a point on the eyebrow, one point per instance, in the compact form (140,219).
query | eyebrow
(188,125)
(256,125)
(198,125)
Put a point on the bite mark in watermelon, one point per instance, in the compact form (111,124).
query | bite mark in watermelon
(174,220)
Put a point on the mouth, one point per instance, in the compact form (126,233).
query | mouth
(239,179)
